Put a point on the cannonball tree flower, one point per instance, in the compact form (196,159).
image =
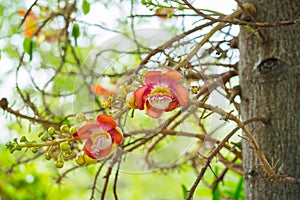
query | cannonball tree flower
(100,136)
(162,92)
(31,29)
(100,90)
(105,95)
(30,24)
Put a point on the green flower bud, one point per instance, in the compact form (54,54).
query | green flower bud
(40,134)
(73,130)
(51,131)
(123,90)
(44,137)
(80,160)
(64,128)
(67,154)
(64,146)
(48,155)
(80,117)
(59,164)
(180,7)
(23,139)
(18,148)
(10,145)
(34,150)
(170,15)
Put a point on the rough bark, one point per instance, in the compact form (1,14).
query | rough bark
(270,82)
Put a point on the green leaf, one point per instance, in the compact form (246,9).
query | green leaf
(216,193)
(85,7)
(60,118)
(75,32)
(238,189)
(184,190)
(28,47)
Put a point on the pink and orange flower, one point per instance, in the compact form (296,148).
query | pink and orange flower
(100,136)
(31,29)
(100,90)
(30,24)
(162,92)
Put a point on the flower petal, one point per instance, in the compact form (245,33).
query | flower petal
(174,104)
(151,111)
(85,131)
(30,23)
(21,12)
(96,155)
(153,77)
(181,94)
(116,135)
(140,96)
(106,122)
(75,135)
(99,90)
(171,77)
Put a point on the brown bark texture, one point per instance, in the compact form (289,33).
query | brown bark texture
(270,81)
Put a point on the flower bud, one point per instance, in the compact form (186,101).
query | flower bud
(123,90)
(106,103)
(18,148)
(180,7)
(23,139)
(67,154)
(64,146)
(130,100)
(59,164)
(73,130)
(80,160)
(51,131)
(170,15)
(80,117)
(40,134)
(88,160)
(44,137)
(34,150)
(48,155)
(64,128)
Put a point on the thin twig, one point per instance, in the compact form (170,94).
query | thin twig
(20,161)
(207,162)
(108,173)
(31,119)
(58,180)
(241,22)
(95,180)
(116,179)
(28,12)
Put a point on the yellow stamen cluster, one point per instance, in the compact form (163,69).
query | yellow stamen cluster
(160,91)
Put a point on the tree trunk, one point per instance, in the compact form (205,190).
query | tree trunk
(270,81)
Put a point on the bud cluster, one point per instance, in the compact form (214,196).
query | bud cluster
(58,145)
